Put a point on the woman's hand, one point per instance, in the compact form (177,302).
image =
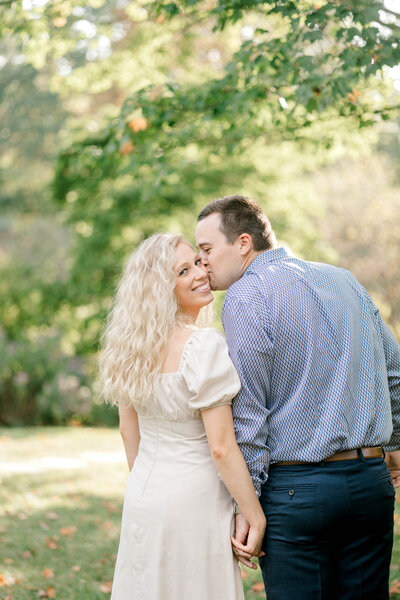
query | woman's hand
(392,460)
(248,540)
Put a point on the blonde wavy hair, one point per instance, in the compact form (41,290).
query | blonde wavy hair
(143,317)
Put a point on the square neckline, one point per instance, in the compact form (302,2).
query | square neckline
(184,352)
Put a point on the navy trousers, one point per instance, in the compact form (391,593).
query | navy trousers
(329,531)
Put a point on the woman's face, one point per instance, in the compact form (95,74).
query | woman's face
(192,289)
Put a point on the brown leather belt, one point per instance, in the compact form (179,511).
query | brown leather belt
(374,452)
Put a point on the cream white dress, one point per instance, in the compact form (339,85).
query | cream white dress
(178,515)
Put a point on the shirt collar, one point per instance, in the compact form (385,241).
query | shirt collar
(269,256)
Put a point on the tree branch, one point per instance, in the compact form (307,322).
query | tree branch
(392,12)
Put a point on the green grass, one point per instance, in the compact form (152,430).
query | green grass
(59,527)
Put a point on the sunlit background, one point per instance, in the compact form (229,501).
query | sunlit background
(84,177)
(119,118)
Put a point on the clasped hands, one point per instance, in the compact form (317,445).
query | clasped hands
(247,541)
(392,460)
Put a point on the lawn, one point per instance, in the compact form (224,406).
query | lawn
(61,493)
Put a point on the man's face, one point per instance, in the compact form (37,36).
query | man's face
(223,260)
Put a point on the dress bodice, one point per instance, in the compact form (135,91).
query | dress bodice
(205,378)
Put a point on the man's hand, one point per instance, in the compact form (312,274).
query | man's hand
(247,541)
(392,460)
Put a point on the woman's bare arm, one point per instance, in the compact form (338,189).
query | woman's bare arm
(231,466)
(129,429)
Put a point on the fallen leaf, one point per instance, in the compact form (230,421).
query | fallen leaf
(52,515)
(51,592)
(27,554)
(48,573)
(71,530)
(8,561)
(257,587)
(106,525)
(51,543)
(110,507)
(76,568)
(106,587)
(7,580)
(43,525)
(243,574)
(395,587)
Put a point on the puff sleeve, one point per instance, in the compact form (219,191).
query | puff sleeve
(208,371)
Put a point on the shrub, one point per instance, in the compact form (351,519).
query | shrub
(41,385)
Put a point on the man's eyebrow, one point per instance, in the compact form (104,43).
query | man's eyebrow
(203,244)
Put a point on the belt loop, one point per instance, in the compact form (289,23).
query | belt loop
(360,454)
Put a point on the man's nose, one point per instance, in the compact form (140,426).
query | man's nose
(201,271)
(203,257)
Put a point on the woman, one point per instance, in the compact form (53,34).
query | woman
(174,384)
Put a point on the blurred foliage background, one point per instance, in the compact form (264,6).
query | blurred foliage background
(124,117)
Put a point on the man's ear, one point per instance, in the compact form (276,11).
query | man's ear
(245,244)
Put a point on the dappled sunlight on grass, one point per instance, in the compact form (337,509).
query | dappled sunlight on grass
(59,529)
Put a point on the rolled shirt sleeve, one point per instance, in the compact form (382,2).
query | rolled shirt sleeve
(392,357)
(391,351)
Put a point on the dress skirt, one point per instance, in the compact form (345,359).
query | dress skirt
(177,520)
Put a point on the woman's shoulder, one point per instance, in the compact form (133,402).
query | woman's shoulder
(206,340)
(207,369)
(204,334)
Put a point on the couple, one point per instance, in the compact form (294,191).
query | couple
(287,417)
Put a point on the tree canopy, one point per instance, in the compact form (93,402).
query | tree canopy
(308,73)
(123,117)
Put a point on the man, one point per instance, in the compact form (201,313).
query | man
(320,398)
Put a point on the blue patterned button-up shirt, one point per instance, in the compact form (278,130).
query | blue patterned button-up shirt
(320,370)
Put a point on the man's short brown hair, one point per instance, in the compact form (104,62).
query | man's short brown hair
(241,215)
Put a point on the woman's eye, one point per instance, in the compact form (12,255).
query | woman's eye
(198,262)
(183,272)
